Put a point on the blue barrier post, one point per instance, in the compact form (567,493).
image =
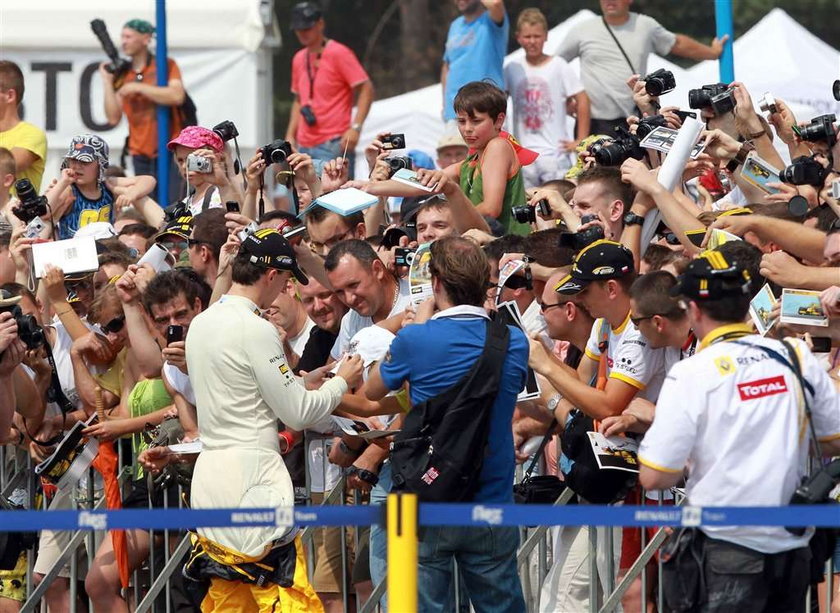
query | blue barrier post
(162,63)
(725,25)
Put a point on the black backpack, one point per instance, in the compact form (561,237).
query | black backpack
(440,450)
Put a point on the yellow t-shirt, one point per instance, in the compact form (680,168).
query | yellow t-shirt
(29,137)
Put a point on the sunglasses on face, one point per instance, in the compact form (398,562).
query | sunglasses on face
(115,325)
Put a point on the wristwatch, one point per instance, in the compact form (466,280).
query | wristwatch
(741,156)
(551,406)
(631,219)
(357,127)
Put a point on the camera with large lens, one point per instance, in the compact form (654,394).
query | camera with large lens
(226,130)
(276,152)
(660,82)
(29,331)
(526,213)
(804,171)
(649,124)
(820,129)
(582,238)
(701,98)
(119,65)
(623,147)
(398,162)
(31,204)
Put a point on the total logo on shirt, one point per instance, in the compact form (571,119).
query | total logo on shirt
(762,388)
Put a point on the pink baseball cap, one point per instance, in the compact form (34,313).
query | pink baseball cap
(196,137)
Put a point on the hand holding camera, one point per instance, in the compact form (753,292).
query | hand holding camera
(8,329)
(646,103)
(557,206)
(747,120)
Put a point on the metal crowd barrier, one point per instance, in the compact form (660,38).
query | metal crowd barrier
(15,472)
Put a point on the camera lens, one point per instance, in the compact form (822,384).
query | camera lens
(524,214)
(278,156)
(798,206)
(655,86)
(25,191)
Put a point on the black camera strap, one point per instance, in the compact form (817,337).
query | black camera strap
(620,48)
(55,393)
(548,434)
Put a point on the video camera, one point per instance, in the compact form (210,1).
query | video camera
(660,82)
(717,96)
(31,204)
(820,129)
(804,171)
(276,152)
(623,147)
(526,213)
(119,65)
(582,238)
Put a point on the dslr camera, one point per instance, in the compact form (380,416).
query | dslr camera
(648,124)
(31,204)
(804,171)
(403,256)
(582,238)
(526,213)
(119,65)
(393,141)
(398,162)
(701,98)
(29,331)
(308,115)
(660,82)
(820,129)
(623,147)
(226,130)
(276,152)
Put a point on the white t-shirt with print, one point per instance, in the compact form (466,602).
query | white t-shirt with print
(539,96)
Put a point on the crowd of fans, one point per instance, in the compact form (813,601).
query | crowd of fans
(631,297)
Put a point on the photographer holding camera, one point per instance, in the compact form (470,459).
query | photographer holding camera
(741,404)
(326,76)
(617,46)
(136,95)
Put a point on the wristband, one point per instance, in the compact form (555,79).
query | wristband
(287,436)
(758,134)
(346,449)
(365,475)
(740,157)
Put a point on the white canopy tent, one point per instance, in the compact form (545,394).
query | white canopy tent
(223,49)
(797,67)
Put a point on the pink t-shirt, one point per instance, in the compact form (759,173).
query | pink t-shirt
(329,91)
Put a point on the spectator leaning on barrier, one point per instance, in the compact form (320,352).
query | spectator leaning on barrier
(27,142)
(136,95)
(616,46)
(326,76)
(732,408)
(432,357)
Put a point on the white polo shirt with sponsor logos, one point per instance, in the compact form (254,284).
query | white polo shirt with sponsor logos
(630,358)
(735,417)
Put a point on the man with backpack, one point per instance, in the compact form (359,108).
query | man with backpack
(135,94)
(464,372)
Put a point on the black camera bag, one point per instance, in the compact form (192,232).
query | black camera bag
(440,450)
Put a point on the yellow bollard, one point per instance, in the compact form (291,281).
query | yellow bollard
(402,553)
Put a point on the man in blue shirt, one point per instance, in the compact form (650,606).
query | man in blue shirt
(475,48)
(432,357)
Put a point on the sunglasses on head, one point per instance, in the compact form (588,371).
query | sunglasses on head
(115,325)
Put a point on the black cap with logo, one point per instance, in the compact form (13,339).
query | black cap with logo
(599,261)
(711,277)
(267,248)
(305,15)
